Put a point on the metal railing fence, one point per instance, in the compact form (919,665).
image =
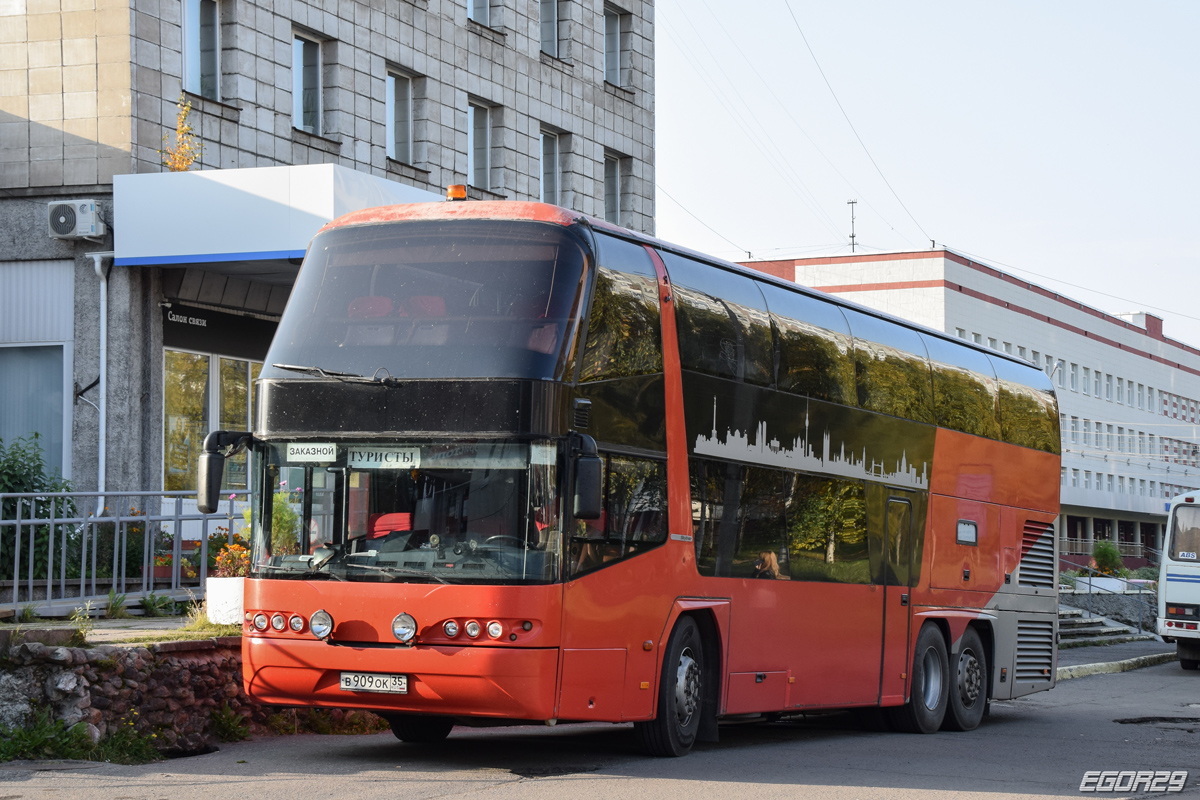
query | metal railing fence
(1083,547)
(59,550)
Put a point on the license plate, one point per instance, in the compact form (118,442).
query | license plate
(373,682)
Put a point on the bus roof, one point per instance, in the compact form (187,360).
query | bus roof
(542,212)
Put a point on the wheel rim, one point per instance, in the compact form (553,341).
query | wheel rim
(687,687)
(970,678)
(931,679)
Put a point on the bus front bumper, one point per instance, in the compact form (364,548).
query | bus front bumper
(471,681)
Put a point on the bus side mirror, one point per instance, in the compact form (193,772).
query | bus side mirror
(212,469)
(212,466)
(589,480)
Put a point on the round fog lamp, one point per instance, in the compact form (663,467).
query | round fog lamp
(321,624)
(451,628)
(296,623)
(278,622)
(404,628)
(472,629)
(260,621)
(495,629)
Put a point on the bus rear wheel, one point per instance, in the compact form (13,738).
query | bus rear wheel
(420,730)
(968,690)
(926,707)
(680,695)
(1189,663)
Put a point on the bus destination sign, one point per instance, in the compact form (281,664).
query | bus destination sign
(384,458)
(319,452)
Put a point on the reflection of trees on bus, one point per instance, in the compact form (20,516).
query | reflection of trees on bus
(892,382)
(1028,420)
(623,329)
(813,362)
(964,402)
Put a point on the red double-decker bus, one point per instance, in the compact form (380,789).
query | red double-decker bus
(510,465)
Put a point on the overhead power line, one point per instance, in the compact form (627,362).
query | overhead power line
(848,122)
(702,222)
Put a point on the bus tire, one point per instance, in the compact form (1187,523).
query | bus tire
(1189,663)
(417,729)
(926,707)
(968,687)
(673,730)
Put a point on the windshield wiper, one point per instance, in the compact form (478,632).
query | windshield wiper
(416,573)
(301,573)
(345,377)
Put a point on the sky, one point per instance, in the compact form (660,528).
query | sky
(1057,141)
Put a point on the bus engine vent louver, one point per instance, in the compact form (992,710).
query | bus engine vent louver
(1037,563)
(1035,650)
(583,414)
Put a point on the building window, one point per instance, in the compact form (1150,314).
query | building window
(1035,357)
(1120,391)
(1062,378)
(1109,444)
(1110,483)
(1087,431)
(976,338)
(1141,396)
(1141,487)
(960,333)
(201,48)
(612,190)
(1121,484)
(550,167)
(548,20)
(32,401)
(1108,388)
(1021,352)
(1074,377)
(306,85)
(1008,348)
(399,117)
(1087,381)
(992,343)
(1087,479)
(1153,489)
(1075,478)
(479,11)
(1074,430)
(613,51)
(203,393)
(478,145)
(1129,393)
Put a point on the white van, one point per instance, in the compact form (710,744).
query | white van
(1179,581)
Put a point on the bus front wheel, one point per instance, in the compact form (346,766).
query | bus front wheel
(926,707)
(680,695)
(420,730)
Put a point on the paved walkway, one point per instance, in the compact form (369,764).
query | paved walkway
(1113,652)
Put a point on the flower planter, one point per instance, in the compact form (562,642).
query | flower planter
(1117,585)
(162,572)
(224,598)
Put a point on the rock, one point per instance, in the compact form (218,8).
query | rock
(93,733)
(60,655)
(101,702)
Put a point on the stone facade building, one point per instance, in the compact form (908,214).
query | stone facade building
(520,99)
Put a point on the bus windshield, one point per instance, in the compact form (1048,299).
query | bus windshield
(448,299)
(467,512)
(1185,534)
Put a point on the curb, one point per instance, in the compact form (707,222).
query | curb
(1083,670)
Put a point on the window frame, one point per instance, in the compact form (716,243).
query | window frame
(67,348)
(612,164)
(474,128)
(480,11)
(193,53)
(611,50)
(548,27)
(392,80)
(299,41)
(545,137)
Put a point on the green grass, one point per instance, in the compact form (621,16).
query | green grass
(43,738)
(179,636)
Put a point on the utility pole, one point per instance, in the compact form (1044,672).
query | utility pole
(851,204)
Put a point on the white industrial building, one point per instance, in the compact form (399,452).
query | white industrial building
(1128,395)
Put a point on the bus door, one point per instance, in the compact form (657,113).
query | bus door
(899,544)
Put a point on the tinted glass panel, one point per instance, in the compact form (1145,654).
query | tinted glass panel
(634,518)
(759,550)
(965,393)
(624,334)
(722,319)
(827,530)
(1185,534)
(478,298)
(816,354)
(716,494)
(1028,409)
(891,368)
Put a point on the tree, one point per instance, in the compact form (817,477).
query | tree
(188,148)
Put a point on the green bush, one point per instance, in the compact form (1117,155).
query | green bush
(43,738)
(23,469)
(1106,559)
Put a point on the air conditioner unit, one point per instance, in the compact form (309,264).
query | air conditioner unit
(74,219)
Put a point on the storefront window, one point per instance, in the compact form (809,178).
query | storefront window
(195,384)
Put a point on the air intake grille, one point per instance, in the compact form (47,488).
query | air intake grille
(1037,563)
(1035,650)
(582,415)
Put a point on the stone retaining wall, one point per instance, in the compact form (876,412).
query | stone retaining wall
(1125,607)
(170,690)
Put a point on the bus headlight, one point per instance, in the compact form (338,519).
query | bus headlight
(321,624)
(260,622)
(451,628)
(278,622)
(472,629)
(404,628)
(495,629)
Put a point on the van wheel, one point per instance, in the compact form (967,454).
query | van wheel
(420,730)
(968,690)
(926,707)
(672,732)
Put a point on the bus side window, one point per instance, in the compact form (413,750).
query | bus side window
(891,367)
(815,351)
(1028,413)
(761,550)
(723,324)
(965,391)
(827,530)
(634,519)
(624,334)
